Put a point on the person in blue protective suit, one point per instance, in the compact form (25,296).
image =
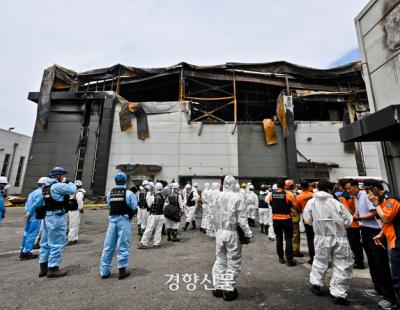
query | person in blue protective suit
(3,183)
(32,224)
(51,208)
(123,205)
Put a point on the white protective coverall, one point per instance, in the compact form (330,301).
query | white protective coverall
(191,210)
(263,212)
(74,217)
(212,198)
(329,219)
(154,222)
(252,204)
(228,213)
(204,205)
(271,232)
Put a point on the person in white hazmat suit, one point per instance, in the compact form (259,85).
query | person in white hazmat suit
(191,200)
(228,214)
(143,213)
(204,206)
(74,213)
(329,219)
(263,210)
(156,218)
(252,205)
(175,202)
(271,232)
(212,198)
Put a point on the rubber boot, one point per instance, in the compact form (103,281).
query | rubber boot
(163,230)
(249,221)
(175,235)
(28,256)
(43,270)
(193,225)
(230,295)
(123,273)
(55,272)
(217,293)
(169,232)
(186,226)
(262,228)
(139,231)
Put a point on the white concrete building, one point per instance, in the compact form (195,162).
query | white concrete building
(14,151)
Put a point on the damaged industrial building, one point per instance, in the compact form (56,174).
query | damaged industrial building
(192,123)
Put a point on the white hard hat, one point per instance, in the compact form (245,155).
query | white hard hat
(251,186)
(78,183)
(274,187)
(195,185)
(175,185)
(145,182)
(188,186)
(43,180)
(3,180)
(141,188)
(158,186)
(151,184)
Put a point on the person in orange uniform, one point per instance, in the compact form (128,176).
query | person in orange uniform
(289,187)
(388,209)
(282,202)
(302,200)
(354,231)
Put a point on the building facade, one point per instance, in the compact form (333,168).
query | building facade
(14,152)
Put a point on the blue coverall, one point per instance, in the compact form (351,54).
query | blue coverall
(118,233)
(2,207)
(54,227)
(32,224)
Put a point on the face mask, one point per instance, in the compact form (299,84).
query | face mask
(63,180)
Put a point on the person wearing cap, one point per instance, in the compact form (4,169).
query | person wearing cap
(32,224)
(52,207)
(3,183)
(282,203)
(290,188)
(388,208)
(156,219)
(192,197)
(378,258)
(74,213)
(252,205)
(123,206)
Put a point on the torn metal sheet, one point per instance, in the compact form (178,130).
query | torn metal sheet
(269,130)
(281,113)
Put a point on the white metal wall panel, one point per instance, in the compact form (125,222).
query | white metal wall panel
(325,147)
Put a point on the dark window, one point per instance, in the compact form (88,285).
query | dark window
(5,165)
(19,172)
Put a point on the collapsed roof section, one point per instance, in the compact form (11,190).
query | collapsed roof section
(238,92)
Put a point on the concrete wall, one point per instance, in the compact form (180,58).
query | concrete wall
(176,146)
(378,36)
(7,140)
(256,158)
(325,147)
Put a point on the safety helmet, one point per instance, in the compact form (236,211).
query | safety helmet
(57,171)
(145,182)
(3,180)
(78,183)
(151,184)
(43,180)
(175,185)
(274,187)
(244,185)
(158,186)
(289,184)
(195,185)
(120,177)
(141,188)
(188,186)
(251,187)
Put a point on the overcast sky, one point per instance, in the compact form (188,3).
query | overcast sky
(88,34)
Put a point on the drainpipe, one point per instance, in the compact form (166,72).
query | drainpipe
(11,163)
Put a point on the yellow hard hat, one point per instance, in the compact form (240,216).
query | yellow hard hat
(244,185)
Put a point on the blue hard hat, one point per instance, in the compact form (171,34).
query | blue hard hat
(58,170)
(120,177)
